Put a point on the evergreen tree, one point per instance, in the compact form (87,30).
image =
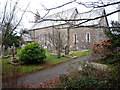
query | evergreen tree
(114,34)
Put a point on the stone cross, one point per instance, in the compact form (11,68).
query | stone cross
(13,50)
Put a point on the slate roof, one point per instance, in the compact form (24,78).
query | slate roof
(90,15)
(69,14)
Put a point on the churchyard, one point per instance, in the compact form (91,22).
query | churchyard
(12,68)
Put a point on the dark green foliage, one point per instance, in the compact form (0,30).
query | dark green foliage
(90,78)
(115,59)
(12,39)
(114,34)
(32,53)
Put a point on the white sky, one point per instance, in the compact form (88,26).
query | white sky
(37,5)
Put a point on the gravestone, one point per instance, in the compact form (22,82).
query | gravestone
(22,45)
(0,50)
(49,48)
(66,50)
(9,51)
(13,49)
(3,50)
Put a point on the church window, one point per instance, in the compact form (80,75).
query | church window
(75,38)
(88,37)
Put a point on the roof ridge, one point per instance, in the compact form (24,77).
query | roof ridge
(61,11)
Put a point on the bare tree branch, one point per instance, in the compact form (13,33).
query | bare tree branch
(8,19)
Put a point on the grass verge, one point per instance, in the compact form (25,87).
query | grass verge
(10,71)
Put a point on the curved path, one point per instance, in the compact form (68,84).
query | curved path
(50,73)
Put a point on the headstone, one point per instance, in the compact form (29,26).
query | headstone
(49,48)
(22,45)
(11,59)
(0,50)
(3,50)
(9,51)
(14,48)
(66,50)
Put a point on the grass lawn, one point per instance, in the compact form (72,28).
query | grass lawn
(54,60)
(81,54)
(11,71)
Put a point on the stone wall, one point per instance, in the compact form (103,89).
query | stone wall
(95,35)
(78,37)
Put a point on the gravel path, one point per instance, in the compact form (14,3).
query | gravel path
(49,73)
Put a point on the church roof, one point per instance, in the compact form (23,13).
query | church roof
(70,14)
(67,14)
(90,15)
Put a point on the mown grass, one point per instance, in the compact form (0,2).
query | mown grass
(11,71)
(52,60)
(55,60)
(81,54)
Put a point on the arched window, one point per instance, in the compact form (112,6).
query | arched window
(88,37)
(75,38)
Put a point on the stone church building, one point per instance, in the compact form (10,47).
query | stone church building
(78,33)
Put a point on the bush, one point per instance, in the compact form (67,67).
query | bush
(32,53)
(104,48)
(90,78)
(115,60)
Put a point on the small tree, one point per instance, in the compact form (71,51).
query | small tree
(12,39)
(55,38)
(32,53)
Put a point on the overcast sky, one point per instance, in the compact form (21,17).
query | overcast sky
(40,5)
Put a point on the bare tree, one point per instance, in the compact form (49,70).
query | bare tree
(56,39)
(91,5)
(9,19)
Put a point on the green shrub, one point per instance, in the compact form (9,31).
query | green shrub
(113,60)
(90,78)
(32,53)
(116,59)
